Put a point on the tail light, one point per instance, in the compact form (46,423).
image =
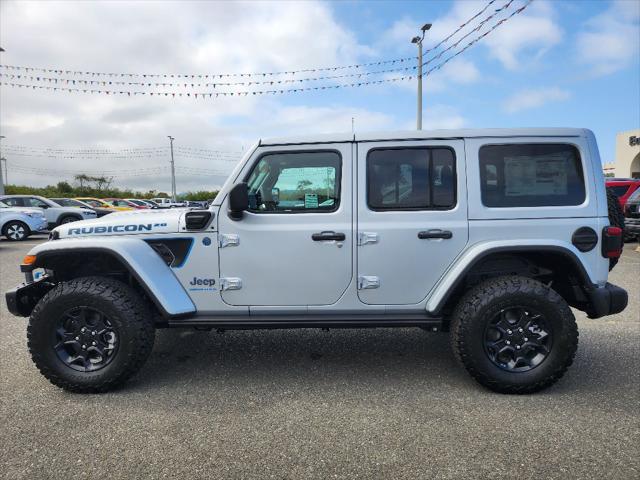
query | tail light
(611,242)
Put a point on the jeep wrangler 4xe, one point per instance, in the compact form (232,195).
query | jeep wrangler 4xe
(491,235)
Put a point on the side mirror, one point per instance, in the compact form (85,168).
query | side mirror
(238,200)
(275,195)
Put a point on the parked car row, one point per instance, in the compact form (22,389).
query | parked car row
(22,215)
(628,192)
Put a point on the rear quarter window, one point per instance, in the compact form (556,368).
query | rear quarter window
(531,175)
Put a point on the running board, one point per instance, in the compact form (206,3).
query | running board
(238,322)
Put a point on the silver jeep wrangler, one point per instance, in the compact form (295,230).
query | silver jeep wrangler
(491,235)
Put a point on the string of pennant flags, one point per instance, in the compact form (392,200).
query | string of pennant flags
(83,85)
(183,170)
(200,76)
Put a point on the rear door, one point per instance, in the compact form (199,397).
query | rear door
(412,217)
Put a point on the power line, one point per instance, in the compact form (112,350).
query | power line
(192,76)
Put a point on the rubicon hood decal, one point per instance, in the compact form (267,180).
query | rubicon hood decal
(166,221)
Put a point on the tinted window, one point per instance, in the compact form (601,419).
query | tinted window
(618,190)
(35,202)
(531,175)
(411,178)
(295,182)
(14,202)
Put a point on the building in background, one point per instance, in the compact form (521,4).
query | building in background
(627,154)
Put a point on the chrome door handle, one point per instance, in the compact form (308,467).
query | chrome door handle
(325,236)
(435,233)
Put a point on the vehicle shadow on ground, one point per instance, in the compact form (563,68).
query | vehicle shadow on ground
(314,359)
(290,356)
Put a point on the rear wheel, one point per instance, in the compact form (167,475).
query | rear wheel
(514,334)
(16,231)
(90,334)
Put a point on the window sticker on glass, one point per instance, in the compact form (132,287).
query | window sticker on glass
(535,176)
(310,200)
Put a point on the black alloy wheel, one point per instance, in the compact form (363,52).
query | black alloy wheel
(85,339)
(518,339)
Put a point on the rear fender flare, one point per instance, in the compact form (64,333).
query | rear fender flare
(459,269)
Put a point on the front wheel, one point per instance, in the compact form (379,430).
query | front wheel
(90,334)
(514,334)
(16,231)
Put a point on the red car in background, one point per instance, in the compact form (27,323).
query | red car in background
(622,188)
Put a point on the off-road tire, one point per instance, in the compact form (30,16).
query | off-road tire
(479,305)
(126,311)
(15,223)
(616,219)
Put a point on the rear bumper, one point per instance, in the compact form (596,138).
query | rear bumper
(632,225)
(607,300)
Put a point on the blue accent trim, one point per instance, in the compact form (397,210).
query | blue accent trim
(188,252)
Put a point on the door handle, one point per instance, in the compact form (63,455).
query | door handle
(435,233)
(324,236)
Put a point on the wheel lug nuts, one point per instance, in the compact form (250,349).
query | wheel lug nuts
(84,347)
(526,339)
(518,347)
(508,342)
(520,330)
(93,333)
(77,338)
(93,343)
(509,332)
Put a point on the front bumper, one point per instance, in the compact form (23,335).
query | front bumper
(607,300)
(39,225)
(21,299)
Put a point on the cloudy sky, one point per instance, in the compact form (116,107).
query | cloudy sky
(569,63)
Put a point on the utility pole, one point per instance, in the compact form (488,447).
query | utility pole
(2,179)
(173,172)
(418,41)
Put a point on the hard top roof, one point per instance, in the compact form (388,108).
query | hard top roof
(426,134)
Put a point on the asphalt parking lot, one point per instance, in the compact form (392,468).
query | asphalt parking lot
(290,404)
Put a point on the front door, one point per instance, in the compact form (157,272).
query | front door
(412,217)
(294,245)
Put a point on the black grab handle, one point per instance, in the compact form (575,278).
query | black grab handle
(446,234)
(322,236)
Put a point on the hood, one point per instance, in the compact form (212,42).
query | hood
(132,222)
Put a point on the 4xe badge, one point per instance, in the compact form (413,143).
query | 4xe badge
(202,284)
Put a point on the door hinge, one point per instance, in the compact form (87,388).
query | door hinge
(230,283)
(229,240)
(367,237)
(367,281)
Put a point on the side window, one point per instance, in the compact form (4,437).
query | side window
(531,175)
(34,202)
(411,179)
(14,202)
(289,182)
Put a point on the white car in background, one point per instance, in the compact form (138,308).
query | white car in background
(17,223)
(54,213)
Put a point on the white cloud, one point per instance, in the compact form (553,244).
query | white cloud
(160,37)
(611,40)
(533,32)
(534,98)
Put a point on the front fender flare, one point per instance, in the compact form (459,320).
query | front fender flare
(146,266)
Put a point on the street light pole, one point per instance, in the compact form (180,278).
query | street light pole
(418,41)
(173,172)
(2,180)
